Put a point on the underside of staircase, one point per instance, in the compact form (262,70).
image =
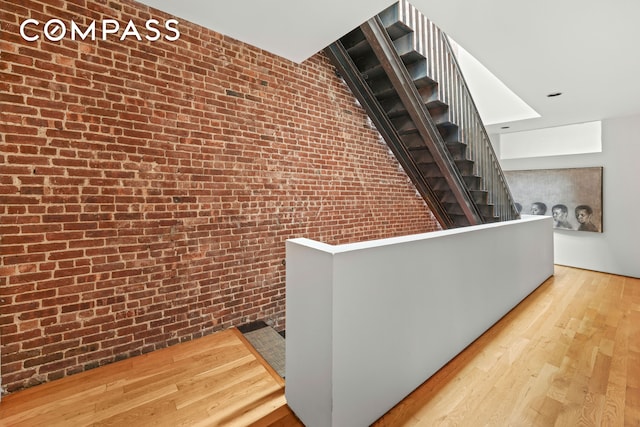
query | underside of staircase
(403,72)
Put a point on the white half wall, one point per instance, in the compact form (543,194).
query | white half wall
(369,322)
(616,249)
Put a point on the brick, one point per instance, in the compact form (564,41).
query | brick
(39,295)
(37,314)
(22,259)
(71,272)
(47,247)
(43,360)
(11,99)
(19,200)
(12,250)
(144,201)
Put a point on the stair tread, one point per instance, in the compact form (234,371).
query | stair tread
(391,20)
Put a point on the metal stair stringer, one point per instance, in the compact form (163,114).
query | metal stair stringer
(367,99)
(443,171)
(383,47)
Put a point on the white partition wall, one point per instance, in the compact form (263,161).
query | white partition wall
(369,322)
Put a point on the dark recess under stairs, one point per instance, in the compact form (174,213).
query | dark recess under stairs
(396,85)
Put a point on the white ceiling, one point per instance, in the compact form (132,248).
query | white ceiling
(586,49)
(294,29)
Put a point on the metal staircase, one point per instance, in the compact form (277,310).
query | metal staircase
(402,70)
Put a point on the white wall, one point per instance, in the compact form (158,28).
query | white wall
(369,322)
(579,138)
(615,250)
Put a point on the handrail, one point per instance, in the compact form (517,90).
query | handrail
(443,67)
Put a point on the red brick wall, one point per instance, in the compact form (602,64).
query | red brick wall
(147,188)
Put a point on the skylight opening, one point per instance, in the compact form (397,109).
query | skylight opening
(496,103)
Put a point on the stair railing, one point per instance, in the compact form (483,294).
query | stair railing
(367,99)
(443,67)
(403,85)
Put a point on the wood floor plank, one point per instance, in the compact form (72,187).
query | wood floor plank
(614,405)
(632,407)
(215,380)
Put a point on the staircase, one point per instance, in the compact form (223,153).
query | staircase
(402,70)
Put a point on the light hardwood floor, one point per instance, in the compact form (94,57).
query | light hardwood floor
(215,380)
(569,355)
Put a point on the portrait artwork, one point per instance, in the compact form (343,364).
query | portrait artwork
(573,197)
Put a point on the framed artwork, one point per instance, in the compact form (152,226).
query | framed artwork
(573,197)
